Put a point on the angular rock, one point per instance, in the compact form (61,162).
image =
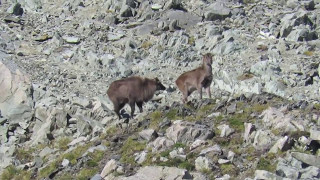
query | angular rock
(282,144)
(225,130)
(287,171)
(141,157)
(203,163)
(315,135)
(148,134)
(262,140)
(216,149)
(161,144)
(217,11)
(179,154)
(307,158)
(248,128)
(15,101)
(181,131)
(262,174)
(109,168)
(71,39)
(310,172)
(158,172)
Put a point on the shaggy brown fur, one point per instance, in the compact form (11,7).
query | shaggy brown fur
(132,90)
(196,79)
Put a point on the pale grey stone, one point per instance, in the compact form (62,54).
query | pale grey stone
(225,130)
(161,144)
(141,157)
(262,174)
(148,134)
(203,163)
(315,135)
(216,149)
(109,168)
(307,158)
(181,131)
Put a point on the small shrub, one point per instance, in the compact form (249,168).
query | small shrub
(46,171)
(265,163)
(146,45)
(24,155)
(229,169)
(316,106)
(236,124)
(172,114)
(165,153)
(191,40)
(179,145)
(245,76)
(187,165)
(155,119)
(76,153)
(63,143)
(308,53)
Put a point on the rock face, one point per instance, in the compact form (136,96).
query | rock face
(16,104)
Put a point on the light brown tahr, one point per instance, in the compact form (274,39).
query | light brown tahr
(196,79)
(132,90)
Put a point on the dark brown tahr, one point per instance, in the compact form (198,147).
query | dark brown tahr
(196,79)
(132,90)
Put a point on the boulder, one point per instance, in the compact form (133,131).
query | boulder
(203,163)
(307,158)
(109,168)
(161,144)
(158,172)
(217,11)
(16,103)
(182,131)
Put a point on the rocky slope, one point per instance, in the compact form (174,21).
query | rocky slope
(58,58)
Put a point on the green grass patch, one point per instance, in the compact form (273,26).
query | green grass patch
(230,169)
(308,53)
(172,114)
(95,158)
(165,153)
(46,171)
(146,45)
(316,106)
(110,131)
(76,153)
(87,173)
(237,124)
(65,176)
(62,143)
(187,165)
(130,147)
(191,40)
(155,117)
(179,145)
(24,155)
(267,163)
(12,172)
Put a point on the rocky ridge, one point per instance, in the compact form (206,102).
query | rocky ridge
(58,58)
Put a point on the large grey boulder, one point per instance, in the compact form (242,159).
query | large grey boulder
(307,158)
(217,11)
(203,163)
(15,101)
(158,172)
(16,104)
(182,131)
